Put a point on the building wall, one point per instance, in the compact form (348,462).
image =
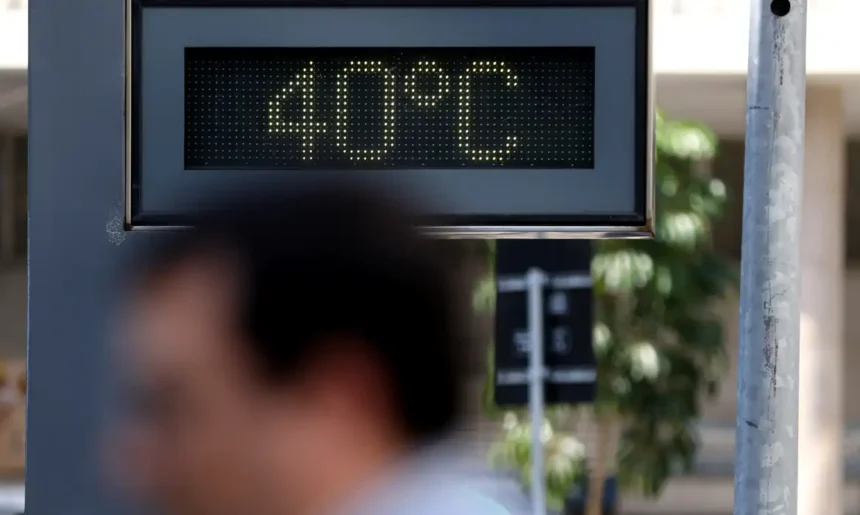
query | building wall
(13,246)
(13,312)
(729,167)
(721,411)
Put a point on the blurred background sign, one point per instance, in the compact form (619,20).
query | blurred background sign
(571,374)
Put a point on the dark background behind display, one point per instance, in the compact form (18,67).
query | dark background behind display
(546,103)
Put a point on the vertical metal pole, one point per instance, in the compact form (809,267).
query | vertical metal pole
(535,280)
(766,431)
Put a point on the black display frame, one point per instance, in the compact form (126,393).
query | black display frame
(638,225)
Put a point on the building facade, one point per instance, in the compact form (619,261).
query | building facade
(700,58)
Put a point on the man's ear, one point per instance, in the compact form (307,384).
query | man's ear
(344,375)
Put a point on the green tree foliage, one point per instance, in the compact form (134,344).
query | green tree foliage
(565,456)
(657,337)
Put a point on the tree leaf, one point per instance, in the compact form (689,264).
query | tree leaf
(686,140)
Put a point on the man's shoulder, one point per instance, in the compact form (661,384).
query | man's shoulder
(472,494)
(447,482)
(467,500)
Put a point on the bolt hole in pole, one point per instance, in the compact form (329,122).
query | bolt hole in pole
(780,8)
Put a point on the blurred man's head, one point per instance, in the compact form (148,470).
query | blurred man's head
(285,349)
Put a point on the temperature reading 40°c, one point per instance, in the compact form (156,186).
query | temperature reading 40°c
(412,89)
(389,108)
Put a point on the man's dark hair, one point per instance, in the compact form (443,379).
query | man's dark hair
(337,260)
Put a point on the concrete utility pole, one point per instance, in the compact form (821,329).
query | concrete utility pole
(767,421)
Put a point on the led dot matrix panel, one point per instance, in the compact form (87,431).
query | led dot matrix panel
(341,108)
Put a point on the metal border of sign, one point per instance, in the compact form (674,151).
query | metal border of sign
(644,116)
